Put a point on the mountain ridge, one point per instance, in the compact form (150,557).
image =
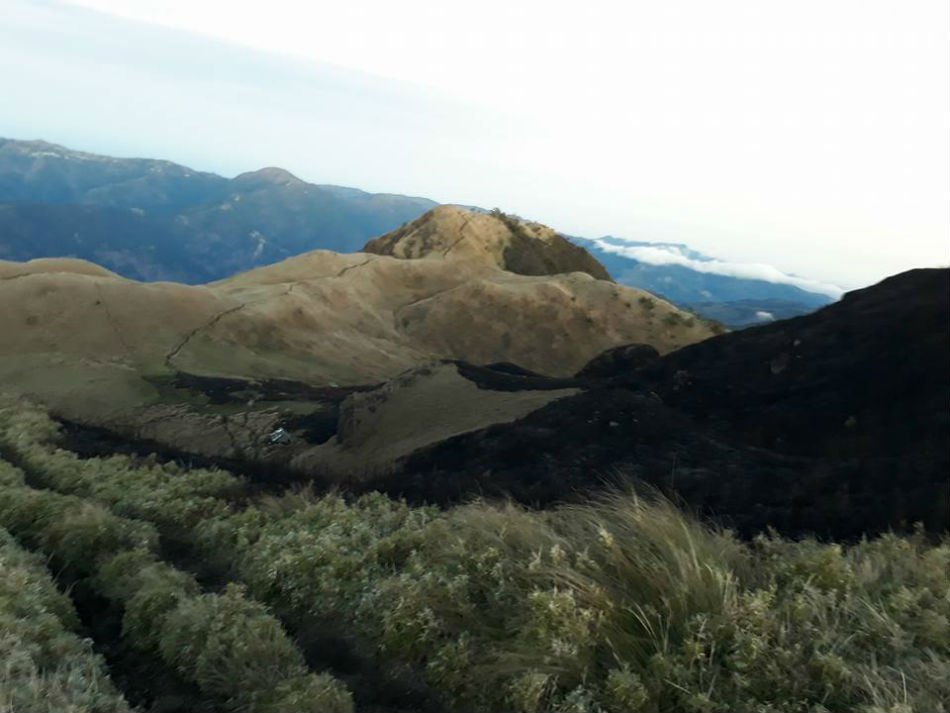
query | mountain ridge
(108,351)
(155,220)
(151,219)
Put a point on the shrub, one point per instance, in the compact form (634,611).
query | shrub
(315,557)
(235,650)
(76,532)
(150,593)
(619,605)
(673,319)
(231,647)
(10,476)
(173,499)
(313,693)
(228,644)
(44,667)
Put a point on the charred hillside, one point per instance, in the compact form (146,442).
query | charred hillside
(835,423)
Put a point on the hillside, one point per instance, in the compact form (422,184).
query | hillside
(156,220)
(402,375)
(372,560)
(108,351)
(130,583)
(837,422)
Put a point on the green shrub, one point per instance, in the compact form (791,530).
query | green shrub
(312,693)
(228,643)
(236,651)
(149,593)
(44,667)
(10,476)
(231,647)
(74,531)
(164,494)
(620,605)
(315,557)
(673,319)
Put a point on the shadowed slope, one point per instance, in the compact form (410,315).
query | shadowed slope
(836,423)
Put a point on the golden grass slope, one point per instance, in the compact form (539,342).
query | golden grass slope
(91,344)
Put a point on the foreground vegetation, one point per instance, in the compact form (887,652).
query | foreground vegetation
(616,606)
(44,665)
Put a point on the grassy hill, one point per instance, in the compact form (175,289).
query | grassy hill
(108,351)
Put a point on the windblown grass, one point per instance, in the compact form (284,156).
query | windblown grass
(625,604)
(619,605)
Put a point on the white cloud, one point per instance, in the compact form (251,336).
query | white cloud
(672,255)
(765,316)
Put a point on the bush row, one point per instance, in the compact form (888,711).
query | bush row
(231,647)
(44,665)
(165,494)
(78,533)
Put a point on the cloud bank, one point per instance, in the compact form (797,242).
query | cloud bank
(661,254)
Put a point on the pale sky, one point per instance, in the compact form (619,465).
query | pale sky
(810,135)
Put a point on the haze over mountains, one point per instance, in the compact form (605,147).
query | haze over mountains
(156,220)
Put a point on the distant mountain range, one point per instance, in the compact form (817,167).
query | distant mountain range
(154,220)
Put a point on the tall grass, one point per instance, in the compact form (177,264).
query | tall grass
(165,494)
(619,605)
(624,604)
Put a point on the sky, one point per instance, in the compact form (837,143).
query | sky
(813,136)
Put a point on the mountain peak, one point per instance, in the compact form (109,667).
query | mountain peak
(269,175)
(505,241)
